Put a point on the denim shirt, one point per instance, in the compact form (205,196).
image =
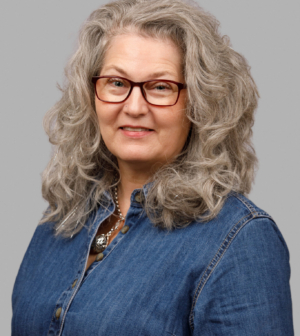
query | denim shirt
(229,276)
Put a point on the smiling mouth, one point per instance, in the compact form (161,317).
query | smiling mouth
(136,129)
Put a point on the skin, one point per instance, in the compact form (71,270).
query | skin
(140,154)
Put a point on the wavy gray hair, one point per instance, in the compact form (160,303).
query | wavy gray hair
(218,156)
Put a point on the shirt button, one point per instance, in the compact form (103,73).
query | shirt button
(138,197)
(99,257)
(74,283)
(57,313)
(125,228)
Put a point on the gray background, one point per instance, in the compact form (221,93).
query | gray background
(37,38)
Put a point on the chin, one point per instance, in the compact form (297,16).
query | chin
(138,158)
(134,154)
(135,159)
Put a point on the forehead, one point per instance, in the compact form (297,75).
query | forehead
(142,57)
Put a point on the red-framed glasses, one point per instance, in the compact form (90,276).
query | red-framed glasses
(158,92)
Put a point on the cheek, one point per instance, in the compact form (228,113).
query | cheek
(176,132)
(99,112)
(105,114)
(183,130)
(183,127)
(179,121)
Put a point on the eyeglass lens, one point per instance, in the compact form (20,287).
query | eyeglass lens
(115,90)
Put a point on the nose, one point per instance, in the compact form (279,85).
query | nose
(135,104)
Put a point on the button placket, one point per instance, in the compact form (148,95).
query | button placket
(138,198)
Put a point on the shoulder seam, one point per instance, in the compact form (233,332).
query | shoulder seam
(250,206)
(220,253)
(247,204)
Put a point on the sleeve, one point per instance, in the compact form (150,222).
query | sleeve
(248,291)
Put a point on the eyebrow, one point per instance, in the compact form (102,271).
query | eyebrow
(152,75)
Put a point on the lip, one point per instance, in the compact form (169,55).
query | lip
(136,134)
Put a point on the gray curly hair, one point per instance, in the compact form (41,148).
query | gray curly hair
(218,156)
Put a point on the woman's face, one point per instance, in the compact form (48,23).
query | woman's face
(136,132)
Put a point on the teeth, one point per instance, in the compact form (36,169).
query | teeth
(135,129)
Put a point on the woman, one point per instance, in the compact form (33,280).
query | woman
(148,231)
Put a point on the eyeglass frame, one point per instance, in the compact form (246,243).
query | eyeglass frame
(180,86)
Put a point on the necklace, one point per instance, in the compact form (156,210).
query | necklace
(100,242)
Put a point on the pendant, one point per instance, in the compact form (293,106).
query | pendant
(99,243)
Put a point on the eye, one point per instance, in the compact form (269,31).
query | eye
(159,86)
(116,82)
